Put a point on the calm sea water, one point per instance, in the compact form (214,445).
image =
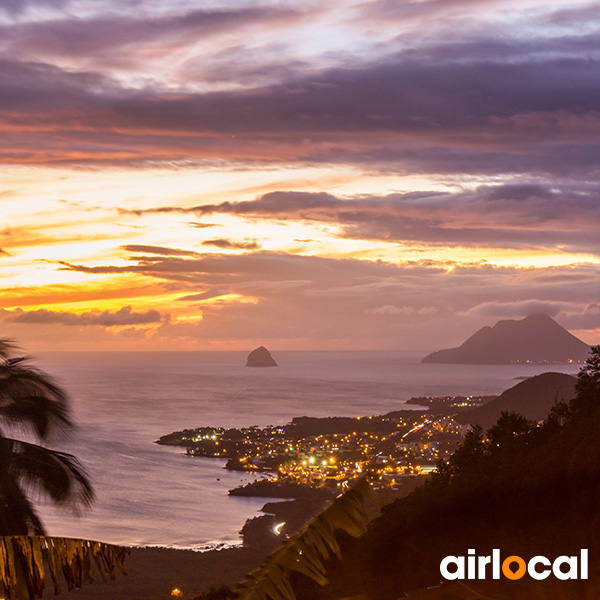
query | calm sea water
(155,495)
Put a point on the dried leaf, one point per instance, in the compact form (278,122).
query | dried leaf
(23,560)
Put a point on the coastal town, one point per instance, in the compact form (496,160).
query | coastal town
(328,452)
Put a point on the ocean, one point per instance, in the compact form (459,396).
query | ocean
(150,495)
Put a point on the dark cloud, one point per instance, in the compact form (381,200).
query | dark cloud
(22,83)
(516,215)
(124,316)
(409,96)
(161,250)
(231,268)
(226,244)
(18,7)
(481,107)
(249,67)
(274,204)
(578,15)
(109,35)
(203,225)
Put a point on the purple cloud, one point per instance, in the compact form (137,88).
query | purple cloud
(103,36)
(226,244)
(160,250)
(516,215)
(483,107)
(123,316)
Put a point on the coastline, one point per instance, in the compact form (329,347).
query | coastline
(153,572)
(184,502)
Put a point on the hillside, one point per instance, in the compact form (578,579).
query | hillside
(532,398)
(536,338)
(523,488)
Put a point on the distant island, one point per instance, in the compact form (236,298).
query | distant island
(535,339)
(260,357)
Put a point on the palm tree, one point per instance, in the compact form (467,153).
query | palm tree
(32,403)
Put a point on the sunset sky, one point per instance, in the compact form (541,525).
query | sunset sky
(350,174)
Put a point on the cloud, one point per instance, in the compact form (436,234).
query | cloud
(225,244)
(418,94)
(573,316)
(482,107)
(501,310)
(390,309)
(160,250)
(200,225)
(18,7)
(588,319)
(385,10)
(306,300)
(123,316)
(275,204)
(517,215)
(248,66)
(579,15)
(105,36)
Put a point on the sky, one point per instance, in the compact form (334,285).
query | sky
(344,175)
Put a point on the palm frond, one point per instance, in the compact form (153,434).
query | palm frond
(306,552)
(29,397)
(17,515)
(7,347)
(57,474)
(28,562)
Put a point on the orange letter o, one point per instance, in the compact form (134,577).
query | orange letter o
(519,572)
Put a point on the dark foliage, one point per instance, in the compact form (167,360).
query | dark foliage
(523,487)
(221,593)
(30,401)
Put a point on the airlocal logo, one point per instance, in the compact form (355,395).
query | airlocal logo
(513,567)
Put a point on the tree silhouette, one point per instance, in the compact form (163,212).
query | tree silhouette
(32,403)
(588,385)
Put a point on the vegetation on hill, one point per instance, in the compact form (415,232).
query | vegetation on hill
(532,398)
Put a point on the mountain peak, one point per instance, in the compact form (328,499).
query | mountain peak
(537,338)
